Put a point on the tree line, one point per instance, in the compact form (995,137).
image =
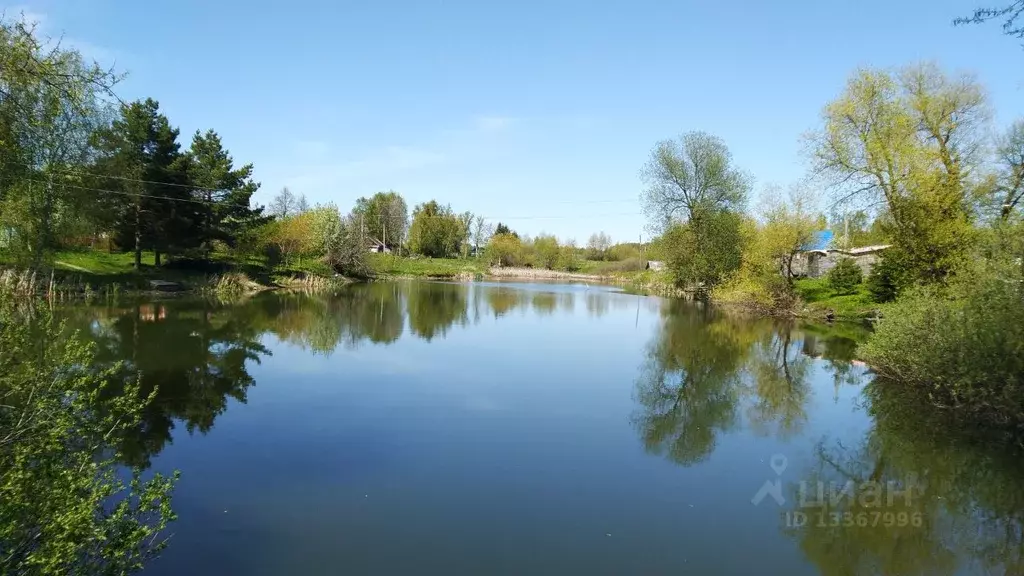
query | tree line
(907,157)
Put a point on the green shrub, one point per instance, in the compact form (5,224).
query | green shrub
(888,277)
(845,276)
(961,347)
(69,506)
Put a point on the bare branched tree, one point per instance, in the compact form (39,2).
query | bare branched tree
(1011,15)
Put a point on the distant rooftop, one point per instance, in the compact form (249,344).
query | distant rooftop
(821,241)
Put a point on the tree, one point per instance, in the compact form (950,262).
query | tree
(1010,158)
(384,217)
(466,221)
(909,141)
(790,225)
(436,231)
(856,228)
(704,252)
(503,229)
(1009,14)
(284,204)
(598,245)
(224,190)
(339,241)
(51,101)
(69,507)
(504,250)
(481,233)
(140,159)
(845,276)
(548,251)
(294,236)
(691,177)
(301,204)
(568,257)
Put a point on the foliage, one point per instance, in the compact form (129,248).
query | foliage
(436,231)
(548,251)
(384,217)
(225,192)
(845,276)
(140,159)
(703,252)
(505,250)
(66,508)
(286,204)
(961,347)
(909,140)
(598,245)
(1009,190)
(344,250)
(390,264)
(51,101)
(691,177)
(888,277)
(790,225)
(569,257)
(1009,14)
(503,229)
(482,233)
(856,229)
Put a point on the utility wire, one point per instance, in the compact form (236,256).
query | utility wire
(199,201)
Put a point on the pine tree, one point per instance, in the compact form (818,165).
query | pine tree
(149,199)
(225,191)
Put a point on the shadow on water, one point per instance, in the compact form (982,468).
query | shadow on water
(704,375)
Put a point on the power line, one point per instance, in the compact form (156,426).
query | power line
(141,195)
(66,172)
(199,201)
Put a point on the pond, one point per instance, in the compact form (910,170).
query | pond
(505,428)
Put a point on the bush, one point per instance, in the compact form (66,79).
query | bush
(888,277)
(845,276)
(69,505)
(961,347)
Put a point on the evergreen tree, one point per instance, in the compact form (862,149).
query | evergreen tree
(225,191)
(150,202)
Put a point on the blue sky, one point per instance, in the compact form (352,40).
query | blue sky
(537,113)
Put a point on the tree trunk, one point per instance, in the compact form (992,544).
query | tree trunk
(138,233)
(156,258)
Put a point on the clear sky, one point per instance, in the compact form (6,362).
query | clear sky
(539,113)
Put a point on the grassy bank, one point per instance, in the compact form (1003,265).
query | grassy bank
(818,300)
(88,272)
(390,265)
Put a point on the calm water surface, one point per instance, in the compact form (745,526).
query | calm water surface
(431,428)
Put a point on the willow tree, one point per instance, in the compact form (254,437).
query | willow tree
(690,177)
(695,196)
(51,101)
(908,141)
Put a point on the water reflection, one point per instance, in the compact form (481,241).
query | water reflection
(704,375)
(923,498)
(956,506)
(193,355)
(690,385)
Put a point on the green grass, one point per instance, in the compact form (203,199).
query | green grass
(101,263)
(820,298)
(392,265)
(99,269)
(604,268)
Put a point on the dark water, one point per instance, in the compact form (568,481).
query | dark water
(429,428)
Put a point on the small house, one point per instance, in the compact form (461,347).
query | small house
(374,245)
(818,257)
(655,265)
